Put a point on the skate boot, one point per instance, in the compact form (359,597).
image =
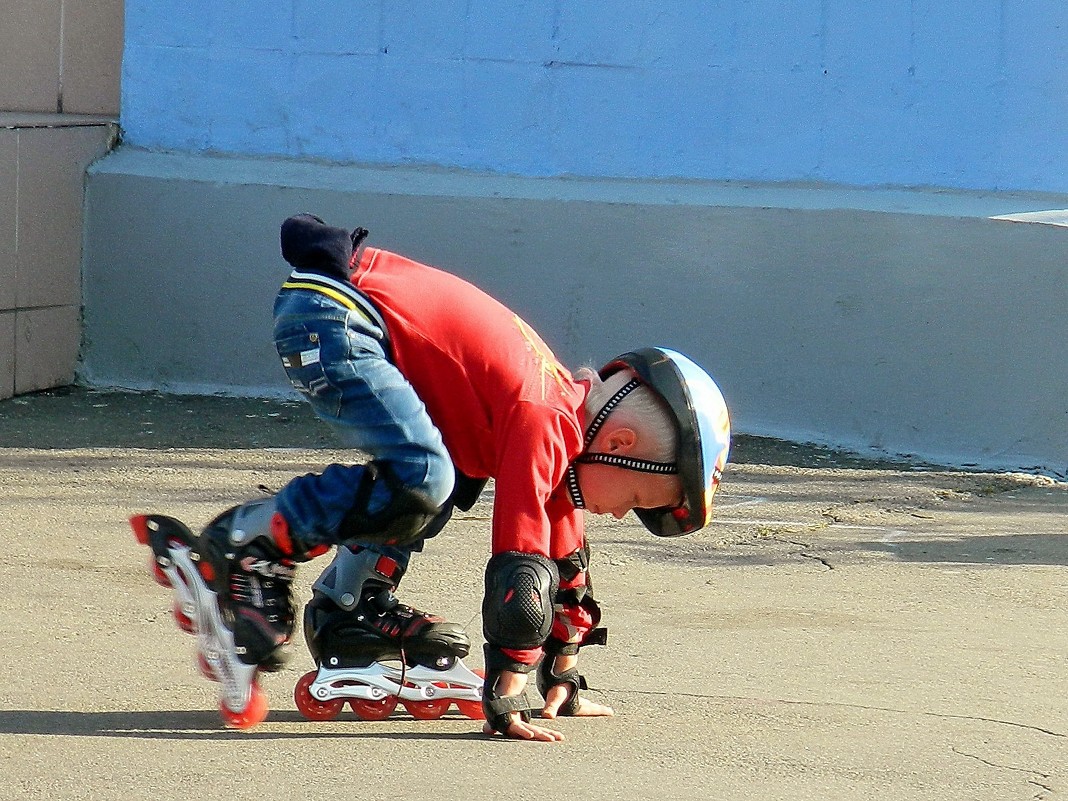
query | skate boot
(232,590)
(372,651)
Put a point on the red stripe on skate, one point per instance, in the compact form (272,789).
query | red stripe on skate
(280,533)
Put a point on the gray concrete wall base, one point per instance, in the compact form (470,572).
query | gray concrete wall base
(892,321)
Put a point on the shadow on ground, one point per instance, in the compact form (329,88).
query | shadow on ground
(203,724)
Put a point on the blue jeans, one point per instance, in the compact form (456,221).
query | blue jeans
(337,359)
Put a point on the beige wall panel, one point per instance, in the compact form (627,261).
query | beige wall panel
(7,354)
(46,347)
(52,164)
(8,210)
(29,55)
(92,57)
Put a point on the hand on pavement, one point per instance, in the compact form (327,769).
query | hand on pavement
(511,683)
(558,695)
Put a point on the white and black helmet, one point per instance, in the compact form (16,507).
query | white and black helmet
(703,424)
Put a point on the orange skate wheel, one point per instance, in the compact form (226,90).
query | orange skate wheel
(157,573)
(205,668)
(253,714)
(185,623)
(312,708)
(473,709)
(428,710)
(373,710)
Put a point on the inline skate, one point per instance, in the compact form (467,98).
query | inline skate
(373,652)
(232,590)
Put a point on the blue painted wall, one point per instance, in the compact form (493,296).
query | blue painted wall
(968,94)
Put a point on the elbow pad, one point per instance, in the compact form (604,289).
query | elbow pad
(517,613)
(517,609)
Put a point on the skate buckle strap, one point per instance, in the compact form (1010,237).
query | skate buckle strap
(280,534)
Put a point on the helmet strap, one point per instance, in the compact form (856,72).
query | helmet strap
(626,462)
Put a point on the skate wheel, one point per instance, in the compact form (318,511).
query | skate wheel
(473,709)
(185,623)
(157,573)
(312,708)
(205,668)
(253,714)
(427,710)
(373,710)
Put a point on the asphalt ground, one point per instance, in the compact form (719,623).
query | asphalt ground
(845,629)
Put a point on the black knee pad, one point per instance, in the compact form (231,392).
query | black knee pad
(407,518)
(466,490)
(517,609)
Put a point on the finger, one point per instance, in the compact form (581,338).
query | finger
(589,709)
(521,730)
(538,733)
(586,708)
(526,731)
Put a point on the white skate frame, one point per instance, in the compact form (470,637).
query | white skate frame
(379,680)
(215,641)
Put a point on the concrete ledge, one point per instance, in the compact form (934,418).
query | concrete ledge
(440,182)
(892,321)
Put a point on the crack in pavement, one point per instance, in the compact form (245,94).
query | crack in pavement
(1038,773)
(805,552)
(820,559)
(1044,788)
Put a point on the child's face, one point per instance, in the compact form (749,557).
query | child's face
(615,491)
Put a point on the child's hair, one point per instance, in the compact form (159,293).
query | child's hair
(642,409)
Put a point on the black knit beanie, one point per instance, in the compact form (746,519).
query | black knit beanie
(308,243)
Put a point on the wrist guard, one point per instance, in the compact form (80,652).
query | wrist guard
(575,681)
(497,708)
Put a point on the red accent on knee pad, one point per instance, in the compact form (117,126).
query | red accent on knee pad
(524,656)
